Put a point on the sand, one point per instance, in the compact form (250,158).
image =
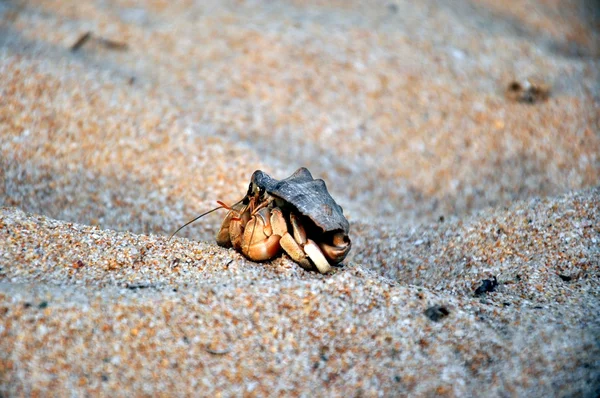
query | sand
(401,107)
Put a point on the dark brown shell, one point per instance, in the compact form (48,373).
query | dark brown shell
(308,195)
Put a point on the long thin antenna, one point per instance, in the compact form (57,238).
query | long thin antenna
(222,206)
(189,222)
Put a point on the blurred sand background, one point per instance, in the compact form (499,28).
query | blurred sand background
(399,106)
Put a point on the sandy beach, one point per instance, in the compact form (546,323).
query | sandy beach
(462,139)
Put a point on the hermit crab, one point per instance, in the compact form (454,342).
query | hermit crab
(296,214)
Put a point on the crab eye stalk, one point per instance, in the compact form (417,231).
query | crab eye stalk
(261,192)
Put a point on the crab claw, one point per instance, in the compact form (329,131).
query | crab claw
(259,242)
(232,229)
(223,238)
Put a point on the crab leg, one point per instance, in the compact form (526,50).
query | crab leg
(299,248)
(338,249)
(292,247)
(316,255)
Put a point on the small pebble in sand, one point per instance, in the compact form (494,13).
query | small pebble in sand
(566,278)
(437,312)
(528,91)
(487,285)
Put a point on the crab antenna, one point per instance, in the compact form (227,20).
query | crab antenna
(191,221)
(222,206)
